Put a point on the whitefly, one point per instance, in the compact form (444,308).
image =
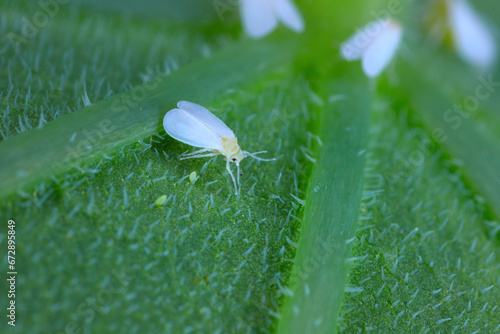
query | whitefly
(194,125)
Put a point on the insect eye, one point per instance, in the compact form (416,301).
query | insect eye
(234,159)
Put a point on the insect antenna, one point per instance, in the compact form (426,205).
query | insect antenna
(254,155)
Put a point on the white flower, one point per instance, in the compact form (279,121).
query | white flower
(260,17)
(473,40)
(375,44)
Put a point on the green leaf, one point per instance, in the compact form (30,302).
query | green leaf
(100,128)
(427,253)
(132,239)
(451,123)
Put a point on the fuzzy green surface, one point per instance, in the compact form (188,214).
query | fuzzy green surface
(426,255)
(204,254)
(81,52)
(128,243)
(95,252)
(102,127)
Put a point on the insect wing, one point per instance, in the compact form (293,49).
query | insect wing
(184,127)
(258,17)
(382,49)
(472,37)
(207,118)
(289,14)
(356,44)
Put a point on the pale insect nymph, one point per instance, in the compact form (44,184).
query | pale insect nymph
(194,125)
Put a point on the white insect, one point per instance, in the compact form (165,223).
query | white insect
(473,40)
(194,125)
(260,17)
(375,44)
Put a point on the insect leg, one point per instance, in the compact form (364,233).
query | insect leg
(232,177)
(238,167)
